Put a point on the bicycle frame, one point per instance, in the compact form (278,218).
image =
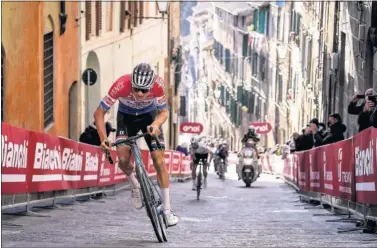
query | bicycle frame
(151,196)
(138,163)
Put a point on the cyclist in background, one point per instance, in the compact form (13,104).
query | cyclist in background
(221,153)
(199,150)
(142,104)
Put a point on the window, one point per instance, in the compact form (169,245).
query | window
(245,44)
(88,19)
(243,21)
(295,25)
(262,64)
(109,15)
(98,17)
(255,64)
(48,58)
(280,88)
(235,21)
(2,82)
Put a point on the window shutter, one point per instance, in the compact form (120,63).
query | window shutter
(135,13)
(141,8)
(131,10)
(122,16)
(88,19)
(261,21)
(98,17)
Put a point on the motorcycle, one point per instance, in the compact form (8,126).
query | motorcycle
(248,168)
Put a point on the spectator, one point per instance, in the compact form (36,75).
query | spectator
(292,142)
(314,125)
(183,149)
(373,118)
(305,141)
(322,129)
(363,107)
(90,135)
(337,128)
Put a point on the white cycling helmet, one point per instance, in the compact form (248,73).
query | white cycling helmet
(142,76)
(194,140)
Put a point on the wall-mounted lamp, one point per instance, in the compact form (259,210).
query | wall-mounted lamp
(163,8)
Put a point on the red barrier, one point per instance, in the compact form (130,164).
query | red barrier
(365,155)
(315,179)
(37,162)
(303,171)
(346,169)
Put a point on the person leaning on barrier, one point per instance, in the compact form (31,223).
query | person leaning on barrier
(373,118)
(363,106)
(337,128)
(90,135)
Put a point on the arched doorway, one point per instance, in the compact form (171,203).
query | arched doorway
(93,92)
(73,102)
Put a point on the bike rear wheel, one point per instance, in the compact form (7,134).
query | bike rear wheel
(150,206)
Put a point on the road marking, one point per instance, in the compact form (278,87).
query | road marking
(288,211)
(216,197)
(193,219)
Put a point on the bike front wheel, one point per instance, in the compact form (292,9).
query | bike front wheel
(198,183)
(151,208)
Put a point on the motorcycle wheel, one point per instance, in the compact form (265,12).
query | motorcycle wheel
(248,184)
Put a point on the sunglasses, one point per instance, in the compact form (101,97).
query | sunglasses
(141,90)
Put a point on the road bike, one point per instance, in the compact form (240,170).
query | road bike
(199,176)
(221,169)
(152,200)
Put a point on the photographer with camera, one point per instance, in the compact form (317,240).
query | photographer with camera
(363,106)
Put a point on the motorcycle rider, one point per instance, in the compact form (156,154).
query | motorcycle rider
(249,144)
(221,153)
(198,150)
(250,135)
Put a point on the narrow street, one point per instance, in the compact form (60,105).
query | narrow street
(228,215)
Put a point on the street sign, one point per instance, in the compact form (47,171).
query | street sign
(191,127)
(89,76)
(262,127)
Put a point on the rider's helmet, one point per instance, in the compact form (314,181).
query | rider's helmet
(194,142)
(251,129)
(142,76)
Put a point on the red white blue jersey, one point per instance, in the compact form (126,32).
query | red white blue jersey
(129,103)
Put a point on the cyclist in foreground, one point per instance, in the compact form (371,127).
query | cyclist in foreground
(199,150)
(142,104)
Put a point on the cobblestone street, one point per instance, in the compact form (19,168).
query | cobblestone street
(265,215)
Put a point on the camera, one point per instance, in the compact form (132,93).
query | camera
(373,98)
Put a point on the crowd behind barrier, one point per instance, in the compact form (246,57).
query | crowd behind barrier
(36,163)
(342,175)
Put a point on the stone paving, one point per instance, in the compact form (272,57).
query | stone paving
(228,215)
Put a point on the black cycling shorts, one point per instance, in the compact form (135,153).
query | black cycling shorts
(199,156)
(129,125)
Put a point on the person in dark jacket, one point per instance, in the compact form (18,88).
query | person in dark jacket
(373,118)
(90,135)
(305,141)
(362,107)
(337,129)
